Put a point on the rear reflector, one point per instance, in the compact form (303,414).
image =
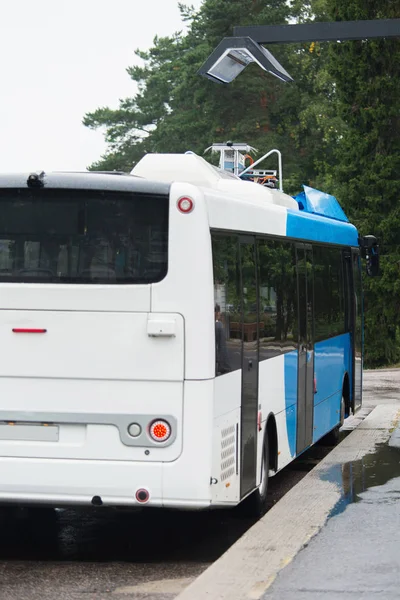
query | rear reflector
(185,205)
(18,330)
(142,496)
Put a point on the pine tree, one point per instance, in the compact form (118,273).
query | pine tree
(366,176)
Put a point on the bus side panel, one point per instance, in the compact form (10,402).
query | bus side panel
(278,395)
(226,437)
(326,416)
(225,483)
(188,286)
(332,359)
(187,481)
(291,373)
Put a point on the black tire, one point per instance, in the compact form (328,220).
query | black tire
(255,505)
(332,438)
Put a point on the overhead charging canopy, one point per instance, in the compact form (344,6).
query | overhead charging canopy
(233,55)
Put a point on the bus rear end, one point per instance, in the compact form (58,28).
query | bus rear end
(99,402)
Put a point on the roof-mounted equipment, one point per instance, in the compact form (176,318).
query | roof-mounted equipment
(233,156)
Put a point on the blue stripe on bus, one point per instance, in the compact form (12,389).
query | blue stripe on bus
(332,361)
(291,363)
(320,229)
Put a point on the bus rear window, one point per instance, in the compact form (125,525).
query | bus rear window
(75,236)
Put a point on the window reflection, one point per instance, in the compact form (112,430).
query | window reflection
(269,318)
(228,334)
(330,317)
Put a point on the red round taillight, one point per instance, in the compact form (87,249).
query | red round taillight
(160,431)
(185,205)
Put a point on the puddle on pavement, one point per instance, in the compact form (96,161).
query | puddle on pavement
(354,478)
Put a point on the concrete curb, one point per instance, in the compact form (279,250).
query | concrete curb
(250,566)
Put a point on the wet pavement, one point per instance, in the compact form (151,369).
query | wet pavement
(356,477)
(151,554)
(357,553)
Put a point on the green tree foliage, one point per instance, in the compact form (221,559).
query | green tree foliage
(365,172)
(176,110)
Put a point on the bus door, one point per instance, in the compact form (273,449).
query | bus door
(249,326)
(305,378)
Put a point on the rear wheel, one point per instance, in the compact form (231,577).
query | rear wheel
(255,505)
(332,438)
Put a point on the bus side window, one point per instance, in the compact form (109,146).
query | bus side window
(228,346)
(277,301)
(329,292)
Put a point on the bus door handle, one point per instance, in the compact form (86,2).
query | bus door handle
(159,327)
(250,365)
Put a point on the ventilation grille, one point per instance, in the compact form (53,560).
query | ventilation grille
(228,452)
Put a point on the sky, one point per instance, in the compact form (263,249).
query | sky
(62,59)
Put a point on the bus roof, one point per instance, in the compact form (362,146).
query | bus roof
(89,180)
(262,207)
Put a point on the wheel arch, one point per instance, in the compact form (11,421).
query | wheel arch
(272,433)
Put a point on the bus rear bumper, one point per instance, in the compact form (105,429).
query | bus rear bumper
(63,501)
(60,482)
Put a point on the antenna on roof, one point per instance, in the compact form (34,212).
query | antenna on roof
(36,179)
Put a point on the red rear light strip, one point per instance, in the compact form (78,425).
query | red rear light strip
(24,330)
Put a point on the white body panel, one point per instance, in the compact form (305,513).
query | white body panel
(272,401)
(249,216)
(73,346)
(62,481)
(195,170)
(190,268)
(70,297)
(226,436)
(84,400)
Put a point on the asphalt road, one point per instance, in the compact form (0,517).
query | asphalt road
(99,554)
(148,555)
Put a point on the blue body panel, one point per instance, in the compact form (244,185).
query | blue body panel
(291,368)
(332,357)
(306,226)
(332,361)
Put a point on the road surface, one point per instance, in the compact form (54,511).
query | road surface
(150,555)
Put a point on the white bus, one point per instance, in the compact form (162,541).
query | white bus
(123,380)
